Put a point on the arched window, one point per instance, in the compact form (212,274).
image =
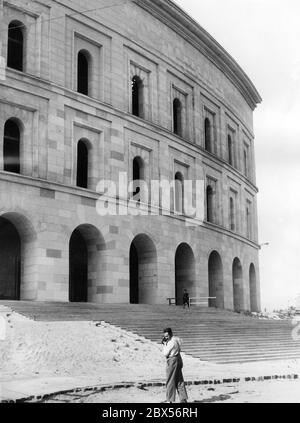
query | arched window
(15,46)
(137,97)
(209,204)
(137,172)
(83,72)
(177,117)
(82,164)
(11,147)
(179,193)
(207,131)
(230,150)
(232,214)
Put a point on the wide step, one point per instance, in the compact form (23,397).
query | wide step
(209,334)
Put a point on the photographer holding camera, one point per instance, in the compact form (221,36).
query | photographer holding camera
(175,381)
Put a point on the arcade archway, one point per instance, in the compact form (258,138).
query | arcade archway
(10,261)
(143,270)
(238,290)
(184,272)
(85,264)
(253,289)
(215,280)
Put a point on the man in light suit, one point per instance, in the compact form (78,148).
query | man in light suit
(175,381)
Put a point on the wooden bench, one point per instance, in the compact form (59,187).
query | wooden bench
(201,300)
(172,301)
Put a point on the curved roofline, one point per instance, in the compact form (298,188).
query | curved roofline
(176,18)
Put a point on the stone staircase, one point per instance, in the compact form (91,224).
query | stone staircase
(213,335)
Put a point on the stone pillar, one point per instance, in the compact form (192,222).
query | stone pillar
(228,283)
(53,268)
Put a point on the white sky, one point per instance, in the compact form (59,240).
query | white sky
(264,38)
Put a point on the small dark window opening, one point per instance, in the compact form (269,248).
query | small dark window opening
(179,192)
(15,47)
(177,118)
(207,130)
(136,169)
(82,165)
(248,219)
(11,147)
(209,204)
(232,214)
(230,150)
(137,96)
(137,173)
(83,73)
(245,163)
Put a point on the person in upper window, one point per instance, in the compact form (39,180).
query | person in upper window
(174,379)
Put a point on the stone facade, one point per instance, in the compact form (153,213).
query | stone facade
(124,258)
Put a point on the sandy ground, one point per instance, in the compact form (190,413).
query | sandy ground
(80,354)
(250,392)
(78,349)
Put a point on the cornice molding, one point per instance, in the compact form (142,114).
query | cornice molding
(177,19)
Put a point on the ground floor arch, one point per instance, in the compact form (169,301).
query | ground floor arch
(238,289)
(253,288)
(185,274)
(10,261)
(215,280)
(18,264)
(85,263)
(143,270)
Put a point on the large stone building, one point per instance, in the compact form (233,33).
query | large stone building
(89,89)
